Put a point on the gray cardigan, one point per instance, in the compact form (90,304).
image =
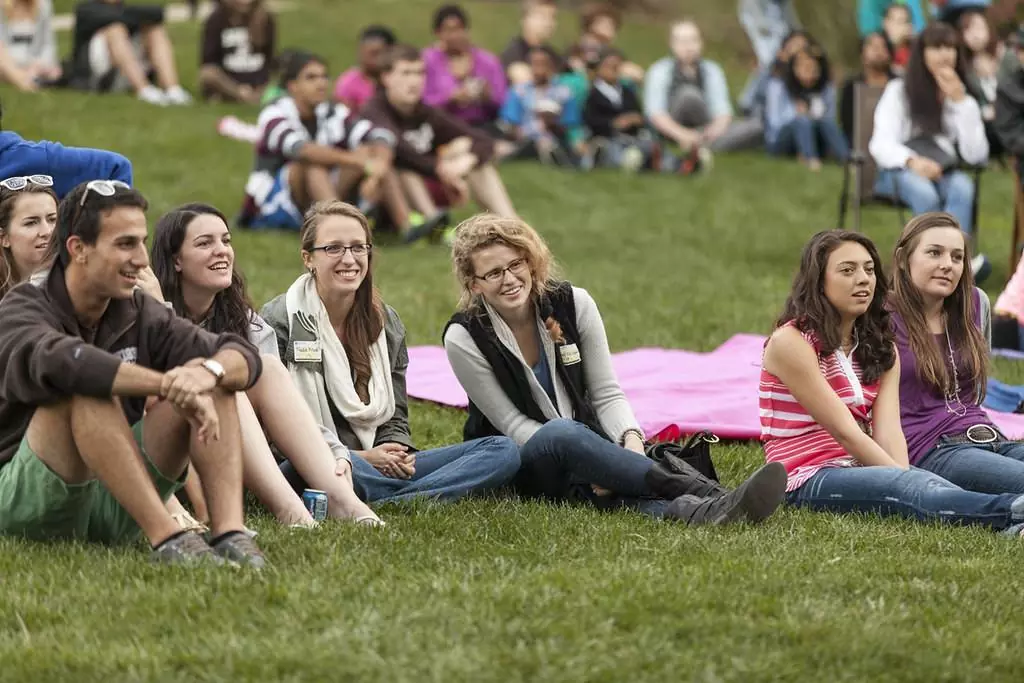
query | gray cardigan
(395,430)
(475,375)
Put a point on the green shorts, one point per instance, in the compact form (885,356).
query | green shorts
(35,503)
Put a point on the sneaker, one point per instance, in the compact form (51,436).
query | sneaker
(706,159)
(236,129)
(186,548)
(981,268)
(239,549)
(632,159)
(177,96)
(434,224)
(153,95)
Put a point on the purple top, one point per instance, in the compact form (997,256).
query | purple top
(441,84)
(923,412)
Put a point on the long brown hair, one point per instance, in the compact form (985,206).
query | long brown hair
(488,229)
(232,310)
(366,319)
(962,322)
(9,274)
(811,311)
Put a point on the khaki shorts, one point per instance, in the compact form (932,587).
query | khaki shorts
(37,504)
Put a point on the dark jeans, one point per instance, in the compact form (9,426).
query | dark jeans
(996,467)
(914,493)
(565,457)
(804,137)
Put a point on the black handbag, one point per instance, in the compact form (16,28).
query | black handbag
(926,146)
(696,453)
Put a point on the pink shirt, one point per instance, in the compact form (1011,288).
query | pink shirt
(1011,301)
(354,88)
(789,433)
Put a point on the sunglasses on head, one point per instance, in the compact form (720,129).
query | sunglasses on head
(20,182)
(105,188)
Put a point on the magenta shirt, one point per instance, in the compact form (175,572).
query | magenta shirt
(441,84)
(923,413)
(354,88)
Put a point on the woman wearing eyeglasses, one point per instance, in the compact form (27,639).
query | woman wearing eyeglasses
(194,268)
(943,329)
(532,354)
(28,216)
(346,352)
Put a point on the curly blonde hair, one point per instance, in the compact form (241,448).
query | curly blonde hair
(488,229)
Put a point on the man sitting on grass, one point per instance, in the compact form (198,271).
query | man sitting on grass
(310,149)
(434,144)
(81,350)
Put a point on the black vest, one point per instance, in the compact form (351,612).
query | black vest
(512,374)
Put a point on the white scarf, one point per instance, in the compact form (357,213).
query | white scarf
(314,345)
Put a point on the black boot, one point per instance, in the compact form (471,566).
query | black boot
(673,477)
(754,500)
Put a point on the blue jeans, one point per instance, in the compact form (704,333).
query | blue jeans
(802,135)
(914,493)
(952,193)
(565,457)
(447,473)
(996,467)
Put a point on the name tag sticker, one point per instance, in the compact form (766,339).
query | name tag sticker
(307,352)
(570,354)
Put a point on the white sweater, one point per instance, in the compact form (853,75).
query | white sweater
(962,129)
(476,377)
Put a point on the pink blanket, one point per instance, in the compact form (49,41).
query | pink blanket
(672,392)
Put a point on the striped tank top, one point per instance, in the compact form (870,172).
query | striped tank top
(791,436)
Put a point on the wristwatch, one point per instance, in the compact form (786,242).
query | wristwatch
(214,368)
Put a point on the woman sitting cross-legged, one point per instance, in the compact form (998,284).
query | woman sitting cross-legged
(532,354)
(830,403)
(194,265)
(346,352)
(800,111)
(942,324)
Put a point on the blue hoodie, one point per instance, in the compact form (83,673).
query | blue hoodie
(69,166)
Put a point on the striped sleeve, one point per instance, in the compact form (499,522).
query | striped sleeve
(349,130)
(280,136)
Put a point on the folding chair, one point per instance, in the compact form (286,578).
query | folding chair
(861,166)
(1018,215)
(865,172)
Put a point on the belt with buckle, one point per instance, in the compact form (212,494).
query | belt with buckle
(979,433)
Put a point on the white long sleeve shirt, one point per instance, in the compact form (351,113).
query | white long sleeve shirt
(963,130)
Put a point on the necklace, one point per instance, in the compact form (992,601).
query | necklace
(959,409)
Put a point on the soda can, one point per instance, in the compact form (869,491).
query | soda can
(316,502)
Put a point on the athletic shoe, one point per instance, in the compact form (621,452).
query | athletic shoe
(186,548)
(434,224)
(177,96)
(632,159)
(236,129)
(239,549)
(981,268)
(153,95)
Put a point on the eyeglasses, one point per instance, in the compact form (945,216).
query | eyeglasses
(104,188)
(495,276)
(20,182)
(340,249)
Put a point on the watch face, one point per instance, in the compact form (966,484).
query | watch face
(216,368)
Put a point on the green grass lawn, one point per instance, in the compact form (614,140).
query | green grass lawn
(510,591)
